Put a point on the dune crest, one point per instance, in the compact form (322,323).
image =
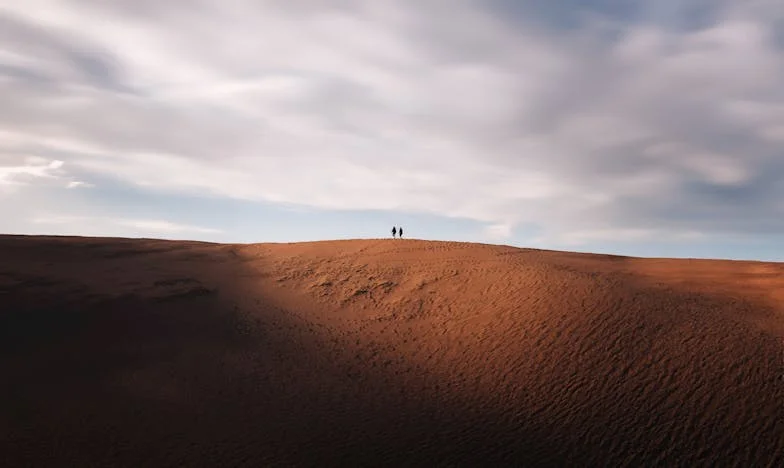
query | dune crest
(151,353)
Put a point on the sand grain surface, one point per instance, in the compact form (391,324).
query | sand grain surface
(117,352)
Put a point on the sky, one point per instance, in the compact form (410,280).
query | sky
(645,128)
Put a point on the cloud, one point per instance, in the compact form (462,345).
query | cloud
(77,183)
(498,232)
(28,170)
(58,219)
(102,226)
(577,238)
(589,122)
(161,226)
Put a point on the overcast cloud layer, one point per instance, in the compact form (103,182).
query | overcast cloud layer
(618,121)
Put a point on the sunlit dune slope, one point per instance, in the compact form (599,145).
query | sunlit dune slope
(117,352)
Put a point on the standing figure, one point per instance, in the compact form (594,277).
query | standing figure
(394,231)
(400,230)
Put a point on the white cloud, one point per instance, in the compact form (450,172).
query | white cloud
(57,219)
(161,226)
(122,227)
(497,232)
(77,183)
(32,168)
(449,108)
(578,238)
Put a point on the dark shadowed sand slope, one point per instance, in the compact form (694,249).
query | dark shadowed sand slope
(146,353)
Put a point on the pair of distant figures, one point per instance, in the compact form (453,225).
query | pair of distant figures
(397,231)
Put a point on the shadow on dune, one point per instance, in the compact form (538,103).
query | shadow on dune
(151,353)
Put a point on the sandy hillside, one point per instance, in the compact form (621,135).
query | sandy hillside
(139,353)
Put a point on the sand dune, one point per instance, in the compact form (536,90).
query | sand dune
(118,352)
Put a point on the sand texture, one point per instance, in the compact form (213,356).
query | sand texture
(147,353)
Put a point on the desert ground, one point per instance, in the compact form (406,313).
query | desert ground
(147,353)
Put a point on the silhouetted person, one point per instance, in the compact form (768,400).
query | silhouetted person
(400,230)
(394,231)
